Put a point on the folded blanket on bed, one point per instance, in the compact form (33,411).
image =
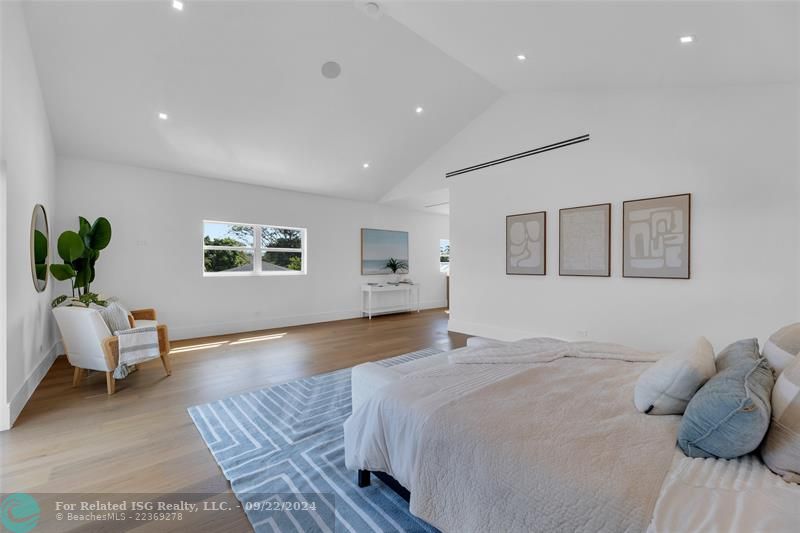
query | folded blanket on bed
(545,350)
(554,446)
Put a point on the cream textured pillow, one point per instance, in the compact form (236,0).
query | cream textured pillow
(666,387)
(781,448)
(116,317)
(782,347)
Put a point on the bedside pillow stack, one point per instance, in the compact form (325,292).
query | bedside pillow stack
(782,347)
(781,448)
(667,386)
(730,414)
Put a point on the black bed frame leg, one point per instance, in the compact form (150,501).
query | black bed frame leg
(362,478)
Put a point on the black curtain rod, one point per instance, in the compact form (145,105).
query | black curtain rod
(528,153)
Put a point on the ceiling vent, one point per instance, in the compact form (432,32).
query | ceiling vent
(514,157)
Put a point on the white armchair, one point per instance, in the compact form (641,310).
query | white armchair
(90,345)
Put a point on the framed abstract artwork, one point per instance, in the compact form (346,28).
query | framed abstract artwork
(526,244)
(380,245)
(656,237)
(584,241)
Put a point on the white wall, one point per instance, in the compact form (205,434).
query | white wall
(155,256)
(31,342)
(5,423)
(734,149)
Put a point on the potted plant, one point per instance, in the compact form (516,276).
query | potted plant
(79,253)
(394,265)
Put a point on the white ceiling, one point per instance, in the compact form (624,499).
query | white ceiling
(613,44)
(242,85)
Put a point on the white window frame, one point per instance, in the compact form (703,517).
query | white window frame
(257,250)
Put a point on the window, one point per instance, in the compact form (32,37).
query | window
(231,249)
(444,256)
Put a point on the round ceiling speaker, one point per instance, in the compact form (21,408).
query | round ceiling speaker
(331,70)
(372,8)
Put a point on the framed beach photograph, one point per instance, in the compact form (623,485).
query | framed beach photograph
(656,237)
(584,241)
(378,246)
(526,244)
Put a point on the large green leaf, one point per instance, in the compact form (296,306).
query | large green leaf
(39,247)
(85,231)
(84,226)
(70,246)
(101,233)
(62,272)
(82,278)
(83,272)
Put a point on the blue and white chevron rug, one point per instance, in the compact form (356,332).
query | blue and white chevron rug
(282,449)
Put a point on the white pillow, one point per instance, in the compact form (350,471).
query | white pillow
(781,448)
(666,387)
(115,317)
(782,347)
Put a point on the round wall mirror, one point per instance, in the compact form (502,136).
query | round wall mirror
(40,247)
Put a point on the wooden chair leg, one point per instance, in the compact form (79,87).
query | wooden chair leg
(76,376)
(110,383)
(166,363)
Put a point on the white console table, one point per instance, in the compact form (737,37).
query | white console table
(411,297)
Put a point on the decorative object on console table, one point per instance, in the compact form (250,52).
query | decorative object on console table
(369,290)
(526,244)
(584,241)
(656,237)
(396,265)
(378,246)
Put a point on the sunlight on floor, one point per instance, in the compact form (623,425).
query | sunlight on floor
(196,347)
(242,340)
(259,339)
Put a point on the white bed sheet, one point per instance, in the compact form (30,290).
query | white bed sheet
(708,495)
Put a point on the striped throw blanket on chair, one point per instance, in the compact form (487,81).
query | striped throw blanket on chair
(136,345)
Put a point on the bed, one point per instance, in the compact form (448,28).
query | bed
(478,451)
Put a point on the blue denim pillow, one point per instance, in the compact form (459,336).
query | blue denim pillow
(743,350)
(730,414)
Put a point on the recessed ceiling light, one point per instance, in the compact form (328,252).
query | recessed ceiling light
(419,110)
(177,4)
(686,39)
(365,165)
(521,57)
(163,116)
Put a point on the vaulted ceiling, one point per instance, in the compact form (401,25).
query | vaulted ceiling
(246,101)
(613,44)
(242,86)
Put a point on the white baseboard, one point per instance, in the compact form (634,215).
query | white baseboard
(241,326)
(492,332)
(25,392)
(5,416)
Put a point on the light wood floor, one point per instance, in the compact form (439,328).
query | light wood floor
(142,440)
